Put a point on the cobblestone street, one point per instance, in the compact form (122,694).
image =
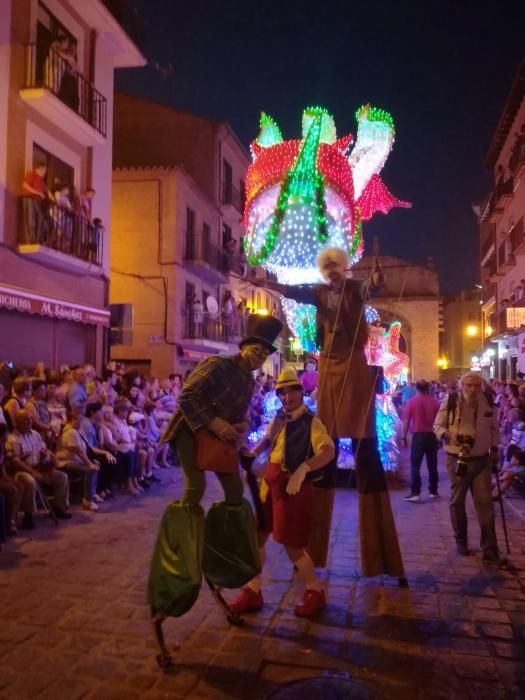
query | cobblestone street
(75,622)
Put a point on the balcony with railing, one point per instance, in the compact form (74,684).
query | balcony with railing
(503,191)
(506,258)
(57,90)
(205,257)
(60,237)
(232,197)
(203,330)
(517,158)
(517,237)
(212,263)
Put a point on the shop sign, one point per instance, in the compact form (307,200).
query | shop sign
(515,316)
(24,301)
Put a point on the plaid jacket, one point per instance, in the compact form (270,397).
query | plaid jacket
(218,387)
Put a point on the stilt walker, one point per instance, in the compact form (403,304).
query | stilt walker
(345,404)
(207,429)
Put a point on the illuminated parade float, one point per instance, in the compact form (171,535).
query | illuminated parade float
(305,195)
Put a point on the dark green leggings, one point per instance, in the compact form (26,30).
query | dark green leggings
(195,480)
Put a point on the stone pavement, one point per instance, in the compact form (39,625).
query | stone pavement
(74,620)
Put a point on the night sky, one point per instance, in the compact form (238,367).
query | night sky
(442,69)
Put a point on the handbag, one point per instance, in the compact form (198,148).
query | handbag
(213,454)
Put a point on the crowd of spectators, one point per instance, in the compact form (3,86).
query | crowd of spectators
(62,427)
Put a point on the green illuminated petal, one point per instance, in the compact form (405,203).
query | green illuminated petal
(270,134)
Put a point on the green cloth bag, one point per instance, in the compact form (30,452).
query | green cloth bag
(176,566)
(231,554)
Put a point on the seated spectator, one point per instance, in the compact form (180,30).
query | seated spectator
(73,458)
(125,447)
(56,409)
(10,489)
(36,406)
(152,438)
(514,466)
(109,392)
(91,431)
(20,394)
(167,399)
(517,435)
(30,463)
(143,453)
(77,395)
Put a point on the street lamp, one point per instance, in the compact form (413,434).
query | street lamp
(472,331)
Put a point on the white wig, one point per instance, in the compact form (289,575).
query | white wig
(336,255)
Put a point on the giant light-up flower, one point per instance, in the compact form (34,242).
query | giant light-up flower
(306,194)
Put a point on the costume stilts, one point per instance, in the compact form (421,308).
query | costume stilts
(220,547)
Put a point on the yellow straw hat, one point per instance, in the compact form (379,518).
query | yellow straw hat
(288,377)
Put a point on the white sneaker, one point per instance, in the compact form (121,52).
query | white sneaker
(89,505)
(412,498)
(434,495)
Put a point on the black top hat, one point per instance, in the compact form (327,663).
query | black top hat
(262,329)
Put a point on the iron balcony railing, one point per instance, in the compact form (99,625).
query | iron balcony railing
(199,248)
(518,154)
(46,68)
(517,235)
(47,224)
(219,327)
(232,196)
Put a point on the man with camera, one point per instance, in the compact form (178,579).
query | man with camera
(467,421)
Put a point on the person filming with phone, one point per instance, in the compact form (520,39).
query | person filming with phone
(467,422)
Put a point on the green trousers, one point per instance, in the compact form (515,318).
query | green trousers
(195,480)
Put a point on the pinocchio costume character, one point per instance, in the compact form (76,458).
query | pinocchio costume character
(207,430)
(299,448)
(346,405)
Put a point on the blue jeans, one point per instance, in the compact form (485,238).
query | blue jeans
(89,478)
(477,481)
(424,445)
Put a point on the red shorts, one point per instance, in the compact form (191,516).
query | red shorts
(288,518)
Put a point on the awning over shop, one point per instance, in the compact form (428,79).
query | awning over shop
(16,299)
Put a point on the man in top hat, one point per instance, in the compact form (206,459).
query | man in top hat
(346,405)
(217,397)
(299,448)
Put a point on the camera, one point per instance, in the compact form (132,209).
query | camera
(466,443)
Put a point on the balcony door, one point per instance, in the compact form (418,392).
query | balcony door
(48,30)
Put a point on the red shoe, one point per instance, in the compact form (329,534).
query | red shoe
(248,601)
(312,601)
